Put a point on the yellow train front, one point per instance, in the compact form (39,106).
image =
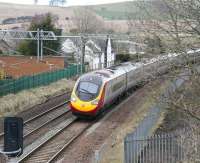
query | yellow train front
(87,96)
(96,90)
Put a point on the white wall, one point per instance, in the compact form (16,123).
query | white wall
(92,58)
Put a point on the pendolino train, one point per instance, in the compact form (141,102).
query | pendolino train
(96,90)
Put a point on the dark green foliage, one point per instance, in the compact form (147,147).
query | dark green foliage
(26,48)
(136,57)
(46,23)
(122,57)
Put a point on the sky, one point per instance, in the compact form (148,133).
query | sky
(69,2)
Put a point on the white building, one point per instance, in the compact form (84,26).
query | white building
(94,52)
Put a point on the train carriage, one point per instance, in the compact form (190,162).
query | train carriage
(95,90)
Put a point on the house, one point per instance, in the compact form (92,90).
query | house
(94,52)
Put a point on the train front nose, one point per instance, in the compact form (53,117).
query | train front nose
(82,107)
(86,94)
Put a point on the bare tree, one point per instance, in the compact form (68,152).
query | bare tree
(87,21)
(178,23)
(175,19)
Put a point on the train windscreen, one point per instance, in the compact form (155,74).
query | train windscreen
(87,91)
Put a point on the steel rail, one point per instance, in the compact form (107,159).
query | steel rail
(68,124)
(46,123)
(54,157)
(41,114)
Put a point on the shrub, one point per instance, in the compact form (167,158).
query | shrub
(122,57)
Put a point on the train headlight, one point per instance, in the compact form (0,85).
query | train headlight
(73,99)
(95,102)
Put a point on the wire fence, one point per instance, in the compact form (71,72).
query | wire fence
(27,82)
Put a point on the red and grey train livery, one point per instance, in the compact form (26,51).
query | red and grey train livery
(95,90)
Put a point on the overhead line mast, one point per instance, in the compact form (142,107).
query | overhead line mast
(38,35)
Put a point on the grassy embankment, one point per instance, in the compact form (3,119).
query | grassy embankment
(14,103)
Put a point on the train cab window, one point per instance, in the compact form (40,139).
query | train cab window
(87,91)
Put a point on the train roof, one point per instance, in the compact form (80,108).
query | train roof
(111,72)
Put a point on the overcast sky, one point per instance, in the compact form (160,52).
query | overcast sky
(69,2)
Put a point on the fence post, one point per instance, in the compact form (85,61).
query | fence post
(96,156)
(125,151)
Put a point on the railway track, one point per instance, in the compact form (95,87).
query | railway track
(50,149)
(36,123)
(49,133)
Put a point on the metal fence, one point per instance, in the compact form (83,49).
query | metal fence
(162,148)
(154,149)
(27,82)
(177,147)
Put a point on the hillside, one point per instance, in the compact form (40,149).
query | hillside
(8,10)
(16,11)
(12,12)
(123,10)
(115,15)
(115,11)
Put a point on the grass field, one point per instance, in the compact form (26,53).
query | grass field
(14,103)
(114,11)
(124,10)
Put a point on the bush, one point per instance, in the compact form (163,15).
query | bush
(25,48)
(122,57)
(136,57)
